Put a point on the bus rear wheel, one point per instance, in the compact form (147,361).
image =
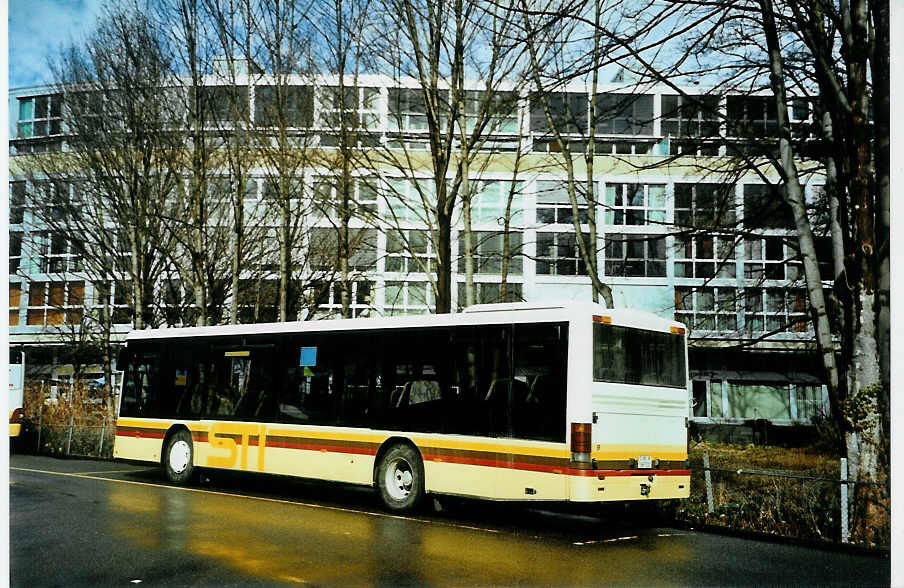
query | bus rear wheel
(400,478)
(178,457)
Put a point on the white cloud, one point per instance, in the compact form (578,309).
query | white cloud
(37,31)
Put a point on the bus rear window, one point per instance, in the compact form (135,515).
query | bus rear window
(634,356)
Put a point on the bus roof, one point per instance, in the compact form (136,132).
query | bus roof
(474,315)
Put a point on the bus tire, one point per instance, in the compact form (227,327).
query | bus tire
(178,457)
(400,478)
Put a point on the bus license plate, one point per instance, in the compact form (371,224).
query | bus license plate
(644,462)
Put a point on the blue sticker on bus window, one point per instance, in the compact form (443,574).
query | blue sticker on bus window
(308,356)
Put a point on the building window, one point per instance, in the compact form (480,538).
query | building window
(324,249)
(361,107)
(409,200)
(569,113)
(554,205)
(225,104)
(755,400)
(624,114)
(752,116)
(770,258)
(633,147)
(635,204)
(410,251)
(491,293)
(704,256)
(284,106)
(488,249)
(489,202)
(258,301)
(558,254)
(407,109)
(360,301)
(401,298)
(122,300)
(16,202)
(15,301)
(801,123)
(59,252)
(809,402)
(40,116)
(780,401)
(707,309)
(690,116)
(501,113)
(705,206)
(362,197)
(55,303)
(765,208)
(15,251)
(775,310)
(635,256)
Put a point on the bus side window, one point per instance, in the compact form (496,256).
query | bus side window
(482,360)
(257,400)
(538,387)
(415,381)
(360,382)
(309,392)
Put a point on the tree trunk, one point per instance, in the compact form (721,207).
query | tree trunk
(239,230)
(795,198)
(285,271)
(467,239)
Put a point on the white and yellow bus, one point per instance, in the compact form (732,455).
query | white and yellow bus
(16,398)
(507,401)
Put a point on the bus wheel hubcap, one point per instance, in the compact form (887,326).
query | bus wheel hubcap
(399,479)
(179,455)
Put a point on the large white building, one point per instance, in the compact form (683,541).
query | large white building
(682,233)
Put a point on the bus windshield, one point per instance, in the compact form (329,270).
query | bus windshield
(632,356)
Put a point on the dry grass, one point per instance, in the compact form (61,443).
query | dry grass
(800,508)
(79,421)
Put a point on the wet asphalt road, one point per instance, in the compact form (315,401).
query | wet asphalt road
(89,523)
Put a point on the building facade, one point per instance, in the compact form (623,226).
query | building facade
(683,230)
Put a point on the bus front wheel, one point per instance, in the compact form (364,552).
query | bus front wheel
(400,478)
(178,457)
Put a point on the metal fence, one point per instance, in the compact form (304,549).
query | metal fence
(844,485)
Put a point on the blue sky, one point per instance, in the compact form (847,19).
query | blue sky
(37,30)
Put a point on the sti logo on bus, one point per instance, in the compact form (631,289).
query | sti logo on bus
(228,437)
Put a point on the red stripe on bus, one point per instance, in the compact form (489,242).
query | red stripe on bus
(141,434)
(607,473)
(331,448)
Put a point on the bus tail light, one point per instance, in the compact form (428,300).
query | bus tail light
(580,442)
(676,330)
(17,415)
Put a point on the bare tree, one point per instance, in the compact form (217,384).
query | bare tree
(344,50)
(438,45)
(284,116)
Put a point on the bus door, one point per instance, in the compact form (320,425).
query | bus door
(241,383)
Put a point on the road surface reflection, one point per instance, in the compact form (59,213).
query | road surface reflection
(281,541)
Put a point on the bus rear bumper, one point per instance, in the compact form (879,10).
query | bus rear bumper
(604,486)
